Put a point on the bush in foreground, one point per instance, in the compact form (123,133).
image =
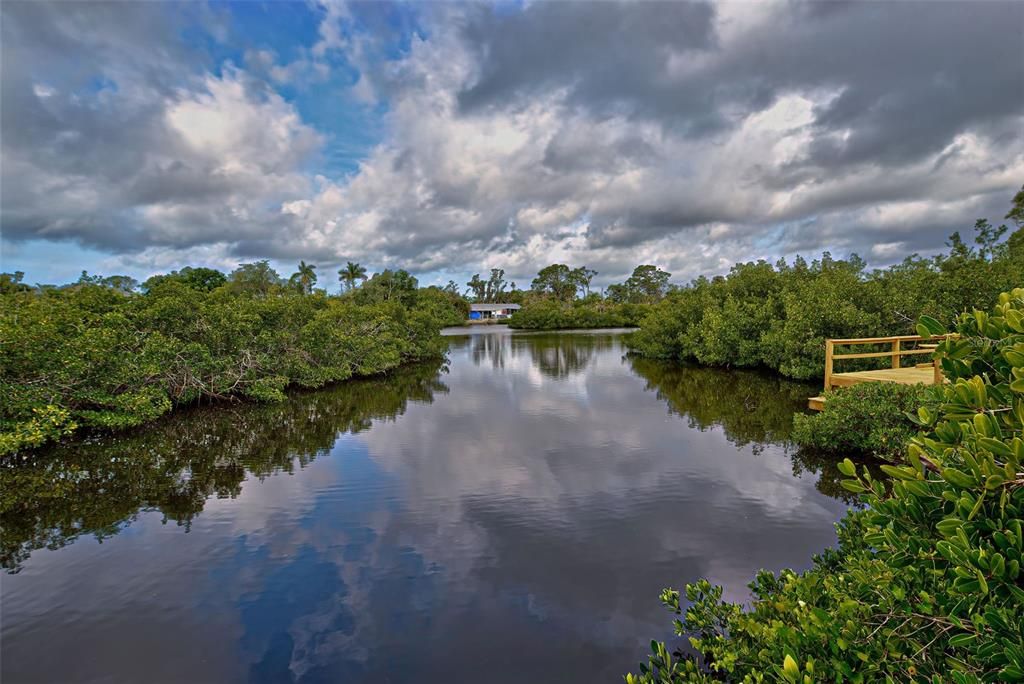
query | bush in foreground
(926,583)
(869,419)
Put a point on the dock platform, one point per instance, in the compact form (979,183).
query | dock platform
(899,346)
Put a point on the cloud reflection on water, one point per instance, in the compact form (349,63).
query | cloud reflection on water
(518,520)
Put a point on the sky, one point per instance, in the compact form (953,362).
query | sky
(451,138)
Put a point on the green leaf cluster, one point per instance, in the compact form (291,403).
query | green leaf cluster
(870,419)
(926,583)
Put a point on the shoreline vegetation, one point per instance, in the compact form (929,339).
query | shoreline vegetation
(108,354)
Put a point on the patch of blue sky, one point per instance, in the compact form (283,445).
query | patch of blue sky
(54,263)
(508,7)
(771,238)
(326,102)
(286,28)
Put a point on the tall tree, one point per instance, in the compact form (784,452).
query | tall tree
(256,278)
(11,282)
(495,285)
(1016,213)
(350,274)
(388,286)
(555,280)
(581,278)
(1015,243)
(618,293)
(305,277)
(477,287)
(649,282)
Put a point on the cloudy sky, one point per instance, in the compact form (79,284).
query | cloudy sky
(448,139)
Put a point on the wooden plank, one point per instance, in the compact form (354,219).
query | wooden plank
(829,351)
(878,355)
(879,340)
(904,376)
(816,403)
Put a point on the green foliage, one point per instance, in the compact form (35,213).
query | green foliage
(926,583)
(561,298)
(304,279)
(447,307)
(779,316)
(12,282)
(99,356)
(205,279)
(257,279)
(556,281)
(647,284)
(490,290)
(869,419)
(121,283)
(388,286)
(551,314)
(350,275)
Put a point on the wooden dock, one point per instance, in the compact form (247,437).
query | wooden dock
(928,373)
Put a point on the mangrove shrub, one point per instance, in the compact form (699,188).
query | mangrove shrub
(779,316)
(868,419)
(96,356)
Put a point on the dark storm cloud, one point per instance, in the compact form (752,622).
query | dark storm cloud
(909,76)
(611,55)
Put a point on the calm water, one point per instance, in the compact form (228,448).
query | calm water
(508,517)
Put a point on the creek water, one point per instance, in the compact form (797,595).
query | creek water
(509,515)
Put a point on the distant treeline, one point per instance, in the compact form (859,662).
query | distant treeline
(107,353)
(560,297)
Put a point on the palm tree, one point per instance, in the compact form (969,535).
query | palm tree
(305,277)
(350,274)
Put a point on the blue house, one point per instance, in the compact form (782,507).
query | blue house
(480,311)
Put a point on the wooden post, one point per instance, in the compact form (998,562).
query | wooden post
(895,353)
(828,365)
(937,376)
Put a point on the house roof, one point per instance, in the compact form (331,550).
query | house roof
(492,307)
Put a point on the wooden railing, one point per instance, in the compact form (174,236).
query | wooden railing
(896,352)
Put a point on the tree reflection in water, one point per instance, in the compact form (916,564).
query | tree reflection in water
(98,486)
(556,355)
(752,408)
